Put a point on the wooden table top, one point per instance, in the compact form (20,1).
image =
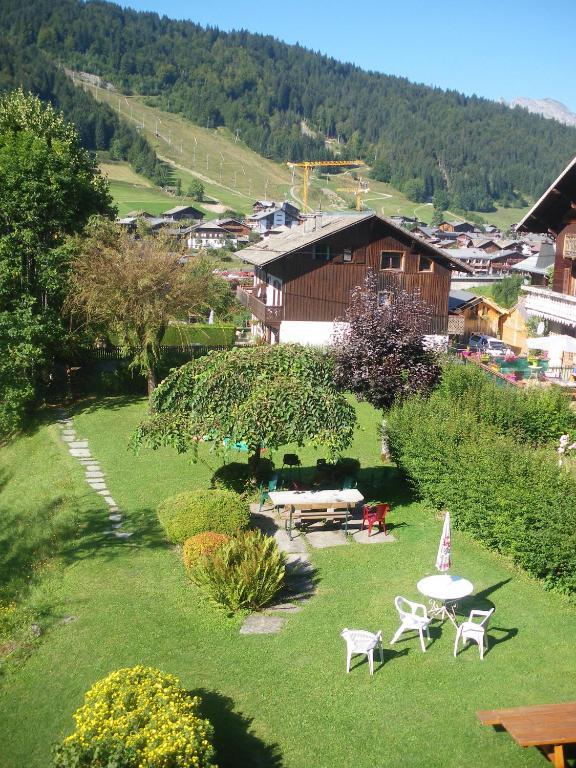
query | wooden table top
(538,725)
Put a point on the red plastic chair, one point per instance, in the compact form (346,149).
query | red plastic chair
(375,515)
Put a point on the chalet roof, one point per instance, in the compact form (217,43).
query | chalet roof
(505,244)
(209,225)
(265,203)
(469,254)
(263,214)
(180,209)
(294,239)
(427,231)
(457,298)
(537,264)
(549,211)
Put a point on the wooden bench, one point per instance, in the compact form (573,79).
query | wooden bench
(547,726)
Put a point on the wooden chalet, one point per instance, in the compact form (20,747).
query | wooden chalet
(456,226)
(237,228)
(303,278)
(183,213)
(555,214)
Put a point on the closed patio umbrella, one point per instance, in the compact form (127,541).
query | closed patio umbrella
(443,557)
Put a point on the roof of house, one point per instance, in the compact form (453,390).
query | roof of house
(428,231)
(549,211)
(469,254)
(457,298)
(537,264)
(180,209)
(294,239)
(211,226)
(263,214)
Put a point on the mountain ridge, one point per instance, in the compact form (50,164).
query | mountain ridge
(425,141)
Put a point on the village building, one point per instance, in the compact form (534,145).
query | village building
(303,278)
(238,228)
(479,314)
(183,213)
(285,214)
(456,226)
(211,235)
(538,266)
(555,214)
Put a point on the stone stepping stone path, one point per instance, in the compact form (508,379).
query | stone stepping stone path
(300,584)
(94,476)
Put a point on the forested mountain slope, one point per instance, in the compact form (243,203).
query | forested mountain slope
(24,66)
(424,139)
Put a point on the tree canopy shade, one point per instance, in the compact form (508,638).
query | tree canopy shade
(131,288)
(380,355)
(49,186)
(264,396)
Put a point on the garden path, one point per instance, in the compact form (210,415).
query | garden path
(79,449)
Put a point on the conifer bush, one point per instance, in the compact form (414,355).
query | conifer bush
(137,717)
(193,512)
(245,573)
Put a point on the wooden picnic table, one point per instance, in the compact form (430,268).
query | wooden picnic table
(316,505)
(548,726)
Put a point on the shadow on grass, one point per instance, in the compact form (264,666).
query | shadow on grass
(98,540)
(235,743)
(388,655)
(112,403)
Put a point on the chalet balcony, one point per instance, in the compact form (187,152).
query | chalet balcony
(559,307)
(265,313)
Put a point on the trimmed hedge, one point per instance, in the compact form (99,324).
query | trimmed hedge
(137,717)
(188,514)
(513,498)
(535,415)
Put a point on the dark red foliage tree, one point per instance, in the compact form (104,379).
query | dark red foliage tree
(379,350)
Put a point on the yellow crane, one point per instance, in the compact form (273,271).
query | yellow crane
(308,164)
(358,192)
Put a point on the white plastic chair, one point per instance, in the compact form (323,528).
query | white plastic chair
(474,630)
(412,616)
(359,641)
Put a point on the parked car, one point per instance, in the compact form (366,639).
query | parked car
(488,345)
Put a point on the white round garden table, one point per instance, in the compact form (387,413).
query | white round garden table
(444,591)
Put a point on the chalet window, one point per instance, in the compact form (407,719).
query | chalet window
(321,252)
(347,254)
(424,264)
(390,260)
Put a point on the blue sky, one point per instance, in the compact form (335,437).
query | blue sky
(493,48)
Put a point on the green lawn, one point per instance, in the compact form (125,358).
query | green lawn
(282,700)
(199,333)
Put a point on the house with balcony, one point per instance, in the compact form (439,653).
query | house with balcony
(303,278)
(555,214)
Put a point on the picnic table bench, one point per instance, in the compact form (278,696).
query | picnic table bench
(304,506)
(547,726)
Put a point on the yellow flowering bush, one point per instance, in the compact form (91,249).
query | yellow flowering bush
(138,717)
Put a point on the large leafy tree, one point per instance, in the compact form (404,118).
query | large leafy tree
(49,186)
(131,288)
(380,352)
(263,395)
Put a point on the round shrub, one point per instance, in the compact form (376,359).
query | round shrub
(218,510)
(137,717)
(201,545)
(246,572)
